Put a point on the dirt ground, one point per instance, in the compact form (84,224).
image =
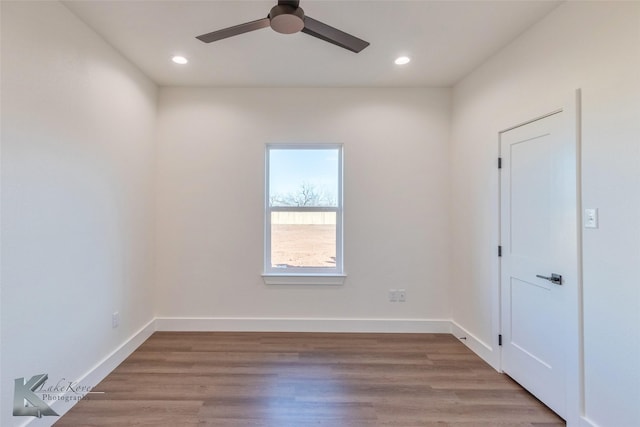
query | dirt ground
(303,245)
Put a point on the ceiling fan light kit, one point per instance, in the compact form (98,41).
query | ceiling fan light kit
(287,17)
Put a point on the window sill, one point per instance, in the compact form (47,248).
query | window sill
(304,279)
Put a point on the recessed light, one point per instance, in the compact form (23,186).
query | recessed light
(402,60)
(180,60)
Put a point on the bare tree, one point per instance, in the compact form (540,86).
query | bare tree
(307,195)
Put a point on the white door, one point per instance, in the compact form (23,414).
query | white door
(538,238)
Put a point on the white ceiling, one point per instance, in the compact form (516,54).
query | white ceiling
(445,39)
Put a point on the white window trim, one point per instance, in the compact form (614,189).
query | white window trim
(304,275)
(304,279)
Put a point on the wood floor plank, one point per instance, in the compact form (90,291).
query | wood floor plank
(307,379)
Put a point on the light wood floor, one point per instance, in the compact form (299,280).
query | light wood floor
(295,379)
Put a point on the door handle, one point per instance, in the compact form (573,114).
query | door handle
(555,278)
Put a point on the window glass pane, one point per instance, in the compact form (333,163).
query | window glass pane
(303,239)
(307,177)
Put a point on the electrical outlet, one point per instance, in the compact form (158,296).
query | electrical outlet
(402,295)
(591,218)
(115,319)
(393,295)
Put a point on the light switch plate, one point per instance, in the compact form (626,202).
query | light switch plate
(591,218)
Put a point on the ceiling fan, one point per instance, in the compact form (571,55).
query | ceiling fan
(287,17)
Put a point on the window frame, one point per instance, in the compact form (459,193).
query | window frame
(304,275)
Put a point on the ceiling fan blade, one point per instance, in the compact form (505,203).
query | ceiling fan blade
(292,3)
(234,31)
(333,35)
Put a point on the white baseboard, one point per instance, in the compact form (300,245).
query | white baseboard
(586,422)
(98,373)
(476,345)
(231,324)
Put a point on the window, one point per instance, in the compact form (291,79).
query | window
(303,212)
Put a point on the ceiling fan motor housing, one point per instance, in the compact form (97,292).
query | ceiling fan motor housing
(286,19)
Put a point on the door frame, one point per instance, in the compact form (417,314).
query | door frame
(574,356)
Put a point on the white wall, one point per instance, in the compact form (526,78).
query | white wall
(211,146)
(77,197)
(594,46)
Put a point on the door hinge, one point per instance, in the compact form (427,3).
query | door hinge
(499,162)
(499,250)
(500,339)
